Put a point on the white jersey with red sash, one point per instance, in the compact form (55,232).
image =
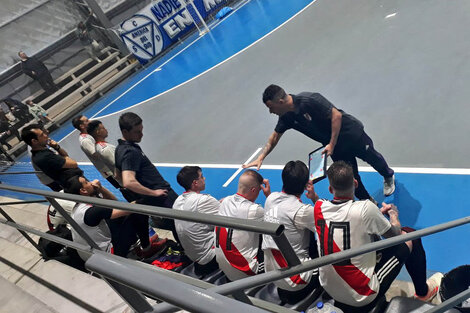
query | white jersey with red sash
(197,239)
(100,234)
(87,144)
(297,217)
(236,250)
(105,151)
(348,224)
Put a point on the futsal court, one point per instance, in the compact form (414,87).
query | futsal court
(401,67)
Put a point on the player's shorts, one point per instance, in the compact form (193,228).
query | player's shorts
(389,264)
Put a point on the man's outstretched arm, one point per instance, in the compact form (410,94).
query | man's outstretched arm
(336,118)
(272,142)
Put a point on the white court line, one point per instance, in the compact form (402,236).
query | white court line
(155,70)
(240,168)
(409,170)
(215,66)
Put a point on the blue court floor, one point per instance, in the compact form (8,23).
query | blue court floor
(423,199)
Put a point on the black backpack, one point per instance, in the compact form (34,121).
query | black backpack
(56,251)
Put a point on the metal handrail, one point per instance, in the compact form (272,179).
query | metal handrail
(264,278)
(57,239)
(217,220)
(22,202)
(134,298)
(125,262)
(17,173)
(274,230)
(183,295)
(260,279)
(451,302)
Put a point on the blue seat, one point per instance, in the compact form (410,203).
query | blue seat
(303,304)
(269,293)
(212,277)
(221,280)
(209,278)
(189,271)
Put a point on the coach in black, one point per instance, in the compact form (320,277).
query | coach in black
(342,134)
(58,166)
(139,175)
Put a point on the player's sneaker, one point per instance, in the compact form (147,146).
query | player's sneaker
(155,247)
(389,185)
(433,287)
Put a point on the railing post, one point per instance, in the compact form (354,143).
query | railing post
(8,218)
(72,223)
(286,249)
(185,296)
(451,302)
(132,297)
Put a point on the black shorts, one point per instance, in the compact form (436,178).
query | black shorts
(390,262)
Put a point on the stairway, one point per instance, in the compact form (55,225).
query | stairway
(30,284)
(78,88)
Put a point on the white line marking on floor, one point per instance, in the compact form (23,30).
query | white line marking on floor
(146,76)
(159,69)
(409,170)
(215,66)
(240,168)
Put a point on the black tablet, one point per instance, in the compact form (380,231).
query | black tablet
(317,165)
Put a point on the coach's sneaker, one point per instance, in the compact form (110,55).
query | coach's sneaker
(433,287)
(389,185)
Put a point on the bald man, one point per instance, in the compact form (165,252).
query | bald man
(238,252)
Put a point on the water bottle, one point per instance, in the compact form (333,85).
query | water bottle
(321,307)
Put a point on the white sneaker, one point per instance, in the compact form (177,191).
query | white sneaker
(434,282)
(389,185)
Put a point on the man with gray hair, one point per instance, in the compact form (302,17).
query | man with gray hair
(238,252)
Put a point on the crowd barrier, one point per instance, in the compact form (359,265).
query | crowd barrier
(131,279)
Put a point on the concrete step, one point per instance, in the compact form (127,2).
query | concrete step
(22,257)
(59,286)
(13,299)
(33,215)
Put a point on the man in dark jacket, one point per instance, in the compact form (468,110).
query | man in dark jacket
(5,133)
(19,109)
(37,71)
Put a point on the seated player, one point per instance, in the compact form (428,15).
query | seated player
(358,283)
(104,150)
(87,144)
(105,153)
(286,208)
(110,228)
(197,239)
(238,252)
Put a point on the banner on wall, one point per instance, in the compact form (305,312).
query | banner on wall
(161,23)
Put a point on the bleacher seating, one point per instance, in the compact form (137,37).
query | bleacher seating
(79,87)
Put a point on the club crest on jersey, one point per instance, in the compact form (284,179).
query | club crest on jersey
(308,117)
